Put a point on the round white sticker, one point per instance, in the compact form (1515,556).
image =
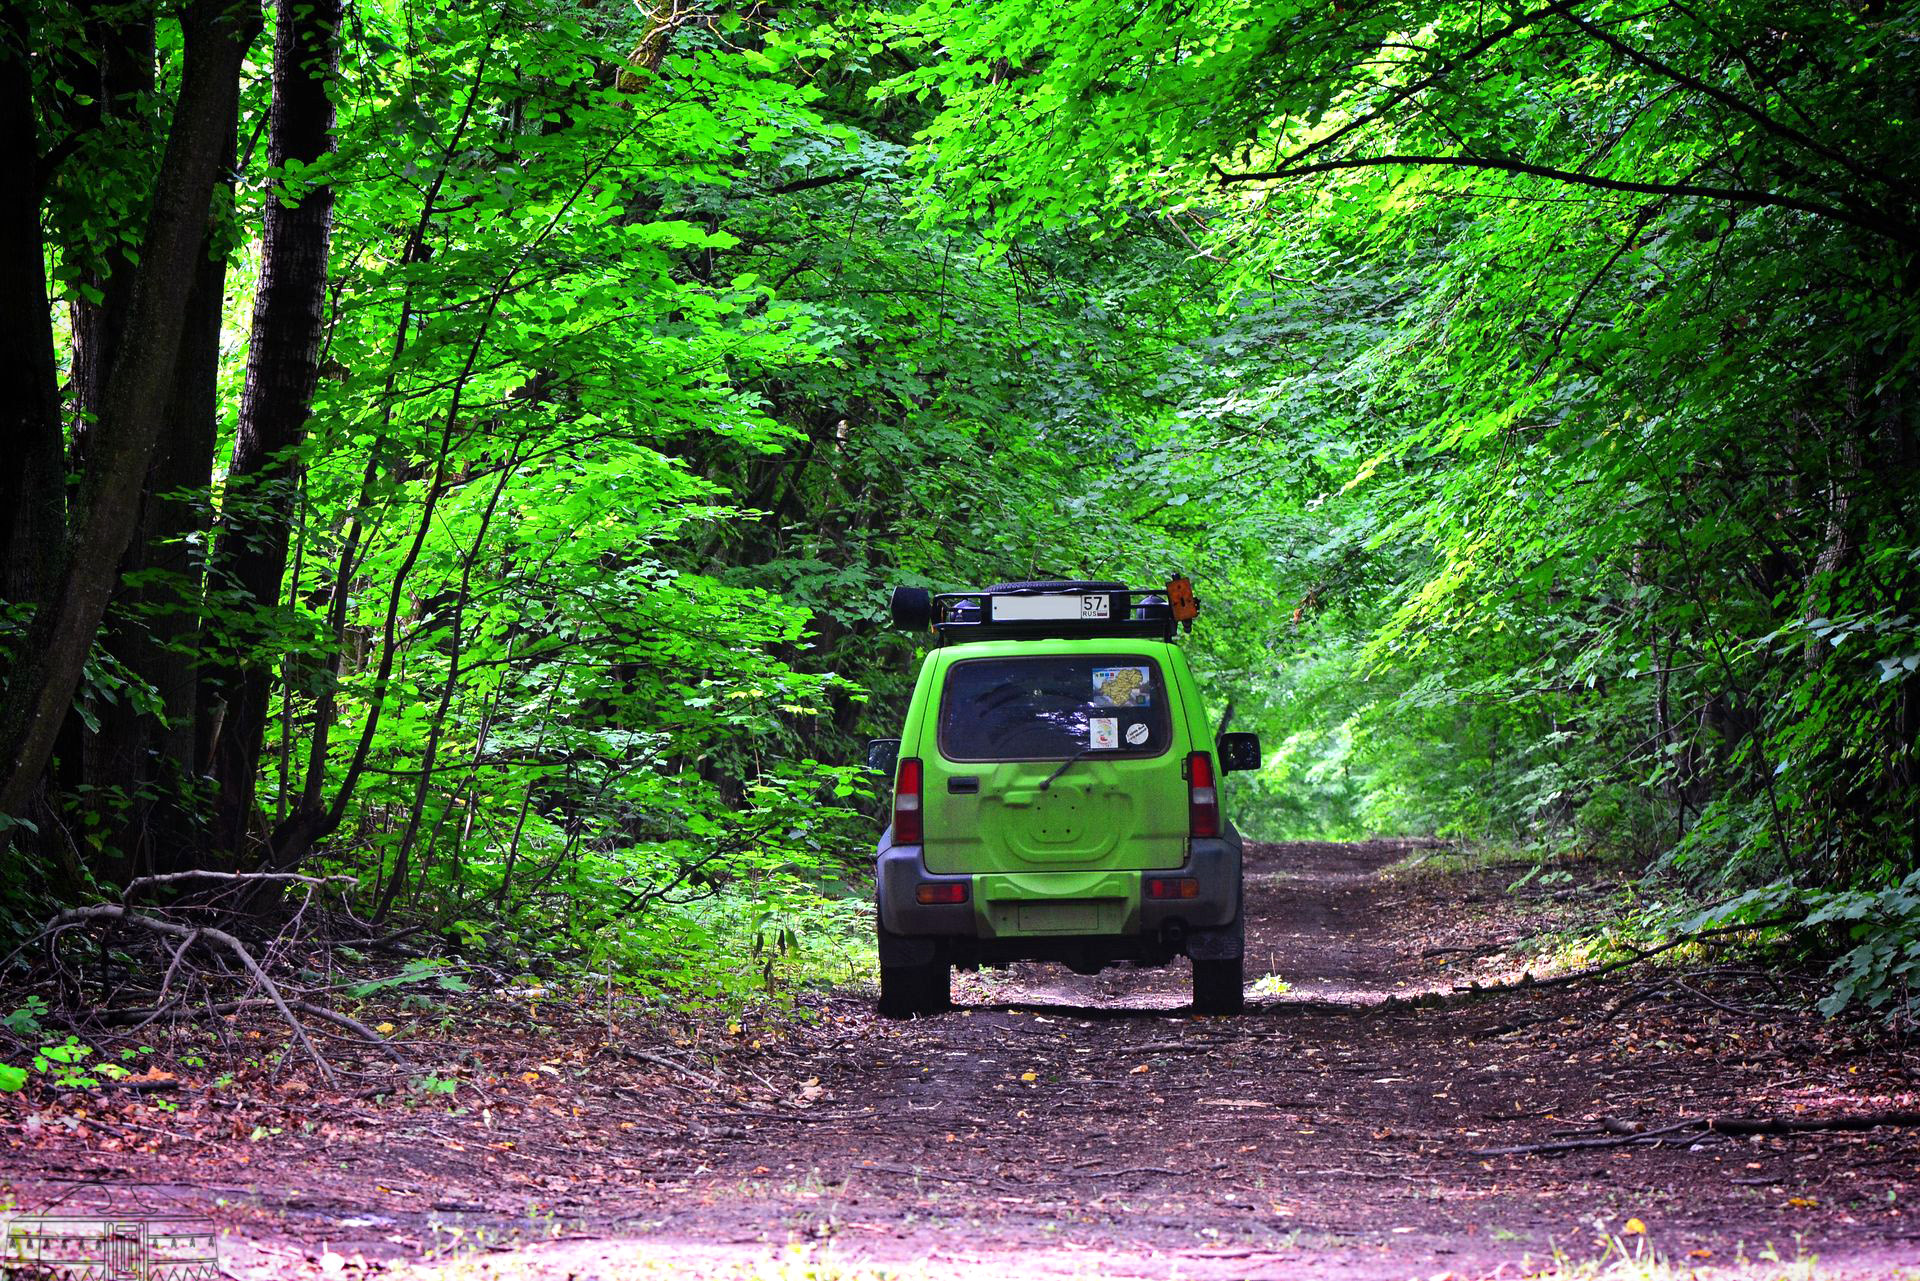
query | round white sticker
(1137,733)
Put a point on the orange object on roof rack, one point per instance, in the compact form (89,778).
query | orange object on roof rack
(1181,601)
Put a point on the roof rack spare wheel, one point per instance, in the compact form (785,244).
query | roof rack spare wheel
(912,608)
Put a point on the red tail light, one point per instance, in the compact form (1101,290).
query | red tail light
(1173,887)
(907,814)
(941,892)
(1203,800)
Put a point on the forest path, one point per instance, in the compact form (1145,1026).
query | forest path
(1054,1125)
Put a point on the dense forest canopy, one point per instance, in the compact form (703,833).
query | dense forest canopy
(466,449)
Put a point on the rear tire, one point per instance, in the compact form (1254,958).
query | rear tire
(907,990)
(939,988)
(1219,987)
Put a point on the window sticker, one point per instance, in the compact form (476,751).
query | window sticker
(1121,687)
(1103,733)
(1137,734)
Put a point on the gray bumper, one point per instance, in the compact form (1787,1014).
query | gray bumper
(1215,863)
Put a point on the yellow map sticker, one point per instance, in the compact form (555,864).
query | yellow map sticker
(1121,687)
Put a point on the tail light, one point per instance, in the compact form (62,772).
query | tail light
(931,892)
(1203,799)
(1173,887)
(907,788)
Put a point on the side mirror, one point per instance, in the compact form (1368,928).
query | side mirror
(1239,752)
(882,755)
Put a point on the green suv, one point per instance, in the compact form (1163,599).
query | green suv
(1056,795)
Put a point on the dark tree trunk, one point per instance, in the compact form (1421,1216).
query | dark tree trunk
(114,87)
(32,502)
(158,625)
(283,366)
(139,391)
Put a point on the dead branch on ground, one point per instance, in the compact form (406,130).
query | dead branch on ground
(1732,1126)
(192,934)
(195,957)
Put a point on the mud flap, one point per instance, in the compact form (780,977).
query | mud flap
(1223,944)
(896,949)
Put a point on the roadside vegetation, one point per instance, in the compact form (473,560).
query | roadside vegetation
(463,452)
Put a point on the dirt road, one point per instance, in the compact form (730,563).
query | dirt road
(1062,1126)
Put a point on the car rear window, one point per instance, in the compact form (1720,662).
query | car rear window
(1049,707)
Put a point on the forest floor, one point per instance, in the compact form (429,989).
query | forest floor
(1057,1126)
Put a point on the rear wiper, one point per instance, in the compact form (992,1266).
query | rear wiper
(1048,781)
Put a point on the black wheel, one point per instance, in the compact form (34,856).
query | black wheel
(907,990)
(1219,987)
(912,608)
(938,988)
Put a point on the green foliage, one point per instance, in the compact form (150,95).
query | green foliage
(63,1064)
(1529,392)
(1883,927)
(422,970)
(24,1022)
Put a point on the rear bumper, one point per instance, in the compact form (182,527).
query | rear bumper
(1151,928)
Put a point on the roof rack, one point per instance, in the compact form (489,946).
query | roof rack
(1048,610)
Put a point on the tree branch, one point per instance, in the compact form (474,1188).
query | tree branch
(1492,38)
(1733,102)
(118,912)
(825,180)
(1896,231)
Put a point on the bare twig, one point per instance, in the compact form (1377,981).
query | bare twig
(1639,955)
(661,1061)
(139,883)
(153,924)
(1729,1125)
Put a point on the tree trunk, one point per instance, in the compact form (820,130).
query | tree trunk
(115,86)
(139,389)
(32,498)
(154,628)
(283,367)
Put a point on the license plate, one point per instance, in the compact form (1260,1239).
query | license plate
(1049,609)
(1060,918)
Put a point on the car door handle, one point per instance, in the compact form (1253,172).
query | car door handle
(964,785)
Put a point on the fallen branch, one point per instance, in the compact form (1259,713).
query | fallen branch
(1475,950)
(139,883)
(353,1025)
(131,1084)
(153,924)
(1714,1001)
(658,1060)
(950,1176)
(1733,1126)
(141,1017)
(1530,984)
